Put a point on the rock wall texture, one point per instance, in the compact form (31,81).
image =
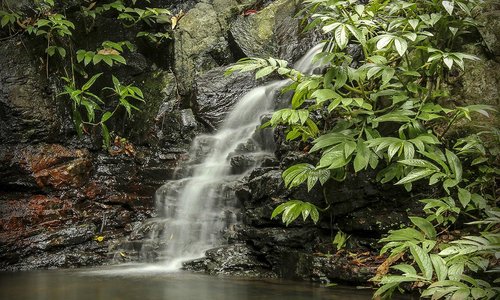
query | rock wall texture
(65,202)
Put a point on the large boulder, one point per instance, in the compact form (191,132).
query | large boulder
(272,31)
(490,30)
(217,94)
(200,44)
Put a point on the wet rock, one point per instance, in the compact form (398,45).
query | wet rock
(122,178)
(266,185)
(255,34)
(241,163)
(264,238)
(272,32)
(46,166)
(234,260)
(199,44)
(490,30)
(28,110)
(338,268)
(218,93)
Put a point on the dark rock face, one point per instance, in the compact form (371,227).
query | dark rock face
(235,260)
(27,113)
(218,93)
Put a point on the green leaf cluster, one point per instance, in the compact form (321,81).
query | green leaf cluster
(386,111)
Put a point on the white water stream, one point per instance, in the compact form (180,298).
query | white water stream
(197,209)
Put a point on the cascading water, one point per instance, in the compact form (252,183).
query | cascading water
(195,209)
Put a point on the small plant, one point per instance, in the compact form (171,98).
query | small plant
(109,52)
(9,18)
(150,16)
(82,98)
(292,209)
(340,240)
(54,26)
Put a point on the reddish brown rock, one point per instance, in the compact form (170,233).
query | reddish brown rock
(45,166)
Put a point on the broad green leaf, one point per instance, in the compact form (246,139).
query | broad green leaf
(464,196)
(423,260)
(439,267)
(362,156)
(415,175)
(323,95)
(424,225)
(341,36)
(448,5)
(333,160)
(106,116)
(90,82)
(455,164)
(264,72)
(384,41)
(419,163)
(401,46)
(405,268)
(105,135)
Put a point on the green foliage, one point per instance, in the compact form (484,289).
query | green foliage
(401,83)
(340,240)
(54,26)
(88,106)
(82,99)
(8,18)
(292,209)
(109,53)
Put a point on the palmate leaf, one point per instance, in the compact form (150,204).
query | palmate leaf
(300,173)
(292,209)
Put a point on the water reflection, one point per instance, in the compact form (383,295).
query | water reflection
(127,283)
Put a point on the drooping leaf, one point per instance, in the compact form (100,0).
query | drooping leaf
(423,260)
(424,225)
(416,174)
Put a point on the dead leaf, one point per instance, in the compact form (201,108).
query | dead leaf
(108,51)
(384,267)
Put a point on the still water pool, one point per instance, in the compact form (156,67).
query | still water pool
(151,283)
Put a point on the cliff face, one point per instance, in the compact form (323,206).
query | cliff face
(65,202)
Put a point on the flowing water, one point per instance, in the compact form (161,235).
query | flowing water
(196,208)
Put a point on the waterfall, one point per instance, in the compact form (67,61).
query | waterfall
(198,207)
